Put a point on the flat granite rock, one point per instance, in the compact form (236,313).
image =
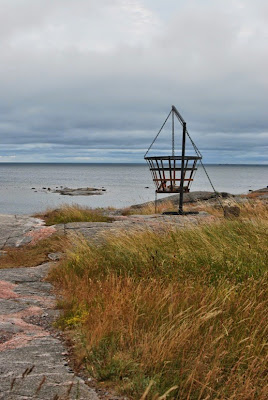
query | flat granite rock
(96,231)
(191,197)
(17,230)
(33,362)
(263,190)
(261,193)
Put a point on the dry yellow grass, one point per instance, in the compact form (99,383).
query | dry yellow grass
(250,207)
(73,213)
(32,255)
(183,310)
(150,209)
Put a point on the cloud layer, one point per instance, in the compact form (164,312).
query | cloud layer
(93,81)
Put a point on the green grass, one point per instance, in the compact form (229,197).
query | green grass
(184,310)
(234,250)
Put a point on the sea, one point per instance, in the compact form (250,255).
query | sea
(22,184)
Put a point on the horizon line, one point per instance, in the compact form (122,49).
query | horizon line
(115,163)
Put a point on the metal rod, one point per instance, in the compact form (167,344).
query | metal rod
(160,176)
(185,169)
(174,172)
(170,174)
(157,134)
(173,135)
(174,109)
(182,167)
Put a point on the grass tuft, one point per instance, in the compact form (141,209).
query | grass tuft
(74,213)
(150,208)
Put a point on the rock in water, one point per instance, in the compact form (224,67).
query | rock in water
(79,191)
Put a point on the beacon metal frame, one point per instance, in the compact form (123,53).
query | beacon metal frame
(165,169)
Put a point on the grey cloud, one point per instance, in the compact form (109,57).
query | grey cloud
(209,59)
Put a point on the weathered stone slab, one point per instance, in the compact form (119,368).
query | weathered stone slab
(191,197)
(96,231)
(17,230)
(32,357)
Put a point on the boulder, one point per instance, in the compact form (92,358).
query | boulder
(231,211)
(55,256)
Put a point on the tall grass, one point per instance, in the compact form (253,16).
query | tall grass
(184,309)
(74,213)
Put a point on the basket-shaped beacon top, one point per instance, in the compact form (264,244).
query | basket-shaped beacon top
(174,173)
(167,172)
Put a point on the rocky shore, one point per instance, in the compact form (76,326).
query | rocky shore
(33,358)
(18,230)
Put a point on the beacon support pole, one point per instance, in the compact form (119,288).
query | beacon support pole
(182,168)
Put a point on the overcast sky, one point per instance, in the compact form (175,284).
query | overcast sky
(93,80)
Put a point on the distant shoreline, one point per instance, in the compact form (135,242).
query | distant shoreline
(117,163)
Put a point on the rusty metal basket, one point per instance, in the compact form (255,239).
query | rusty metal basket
(168,172)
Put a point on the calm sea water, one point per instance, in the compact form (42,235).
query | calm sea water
(125,184)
